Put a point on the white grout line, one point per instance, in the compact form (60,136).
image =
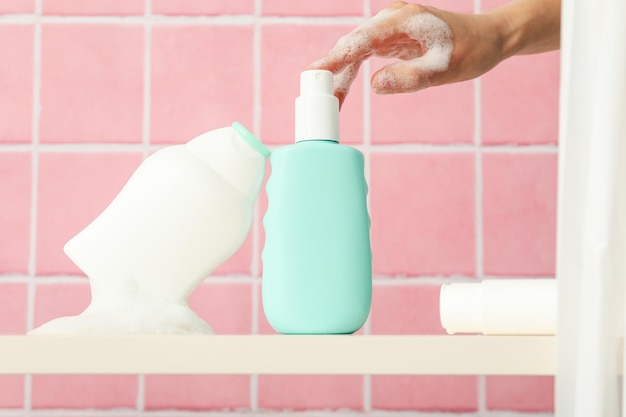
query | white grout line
(147,77)
(28,394)
(145,146)
(141,394)
(256,129)
(257,221)
(254,378)
(399,148)
(367,145)
(218,20)
(268,413)
(478,198)
(478,178)
(247,279)
(79,147)
(257,224)
(424,280)
(32,261)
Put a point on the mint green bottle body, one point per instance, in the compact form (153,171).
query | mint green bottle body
(317,261)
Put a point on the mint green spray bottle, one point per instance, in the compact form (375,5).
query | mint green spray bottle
(317,261)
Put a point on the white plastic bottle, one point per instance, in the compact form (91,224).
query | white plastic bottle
(500,306)
(184,211)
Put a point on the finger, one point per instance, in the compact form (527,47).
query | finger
(344,79)
(414,74)
(353,47)
(360,44)
(400,77)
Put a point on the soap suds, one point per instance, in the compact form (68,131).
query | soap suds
(153,318)
(422,41)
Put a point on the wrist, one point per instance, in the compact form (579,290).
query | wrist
(508,32)
(528,26)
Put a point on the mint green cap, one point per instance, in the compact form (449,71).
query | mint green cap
(251,139)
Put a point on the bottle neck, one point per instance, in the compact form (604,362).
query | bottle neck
(317,141)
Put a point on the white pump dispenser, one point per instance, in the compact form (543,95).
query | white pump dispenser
(317,109)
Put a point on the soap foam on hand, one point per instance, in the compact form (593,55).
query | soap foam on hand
(422,42)
(184,211)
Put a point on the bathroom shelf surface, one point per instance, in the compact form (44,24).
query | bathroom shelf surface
(279,354)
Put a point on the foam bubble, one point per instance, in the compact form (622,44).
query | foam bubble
(422,41)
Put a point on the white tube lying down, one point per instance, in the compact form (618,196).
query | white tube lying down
(500,306)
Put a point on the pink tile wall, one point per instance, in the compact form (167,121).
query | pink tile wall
(91,8)
(16,82)
(91,83)
(510,96)
(202,7)
(15,203)
(318,8)
(17,6)
(519,214)
(422,209)
(201,79)
(440,115)
(452,192)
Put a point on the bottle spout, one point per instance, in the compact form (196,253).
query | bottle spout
(317,109)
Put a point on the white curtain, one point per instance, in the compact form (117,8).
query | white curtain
(591,254)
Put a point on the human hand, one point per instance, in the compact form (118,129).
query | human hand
(433,46)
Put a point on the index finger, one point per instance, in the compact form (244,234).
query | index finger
(353,47)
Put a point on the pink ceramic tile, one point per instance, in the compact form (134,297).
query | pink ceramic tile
(428,393)
(73,391)
(240,262)
(60,299)
(16,82)
(197,392)
(422,211)
(405,309)
(13,307)
(463,6)
(11,391)
(519,213)
(287,51)
(443,114)
(227,307)
(202,7)
(201,80)
(520,99)
(91,83)
(17,6)
(84,391)
(81,7)
(520,393)
(263,325)
(15,192)
(307,392)
(310,8)
(74,188)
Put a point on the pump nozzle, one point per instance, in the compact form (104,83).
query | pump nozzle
(317,109)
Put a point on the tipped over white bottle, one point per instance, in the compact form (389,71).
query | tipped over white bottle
(500,307)
(184,211)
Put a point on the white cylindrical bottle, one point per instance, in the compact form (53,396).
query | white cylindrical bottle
(184,211)
(500,306)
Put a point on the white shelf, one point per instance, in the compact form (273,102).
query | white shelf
(392,355)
